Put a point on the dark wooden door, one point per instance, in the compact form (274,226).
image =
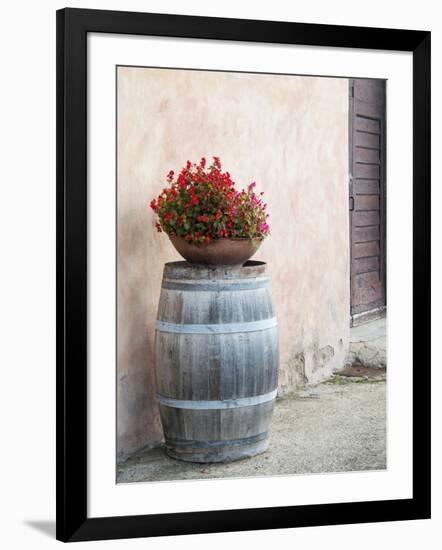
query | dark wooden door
(367,198)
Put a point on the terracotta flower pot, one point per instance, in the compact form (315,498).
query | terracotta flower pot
(222,251)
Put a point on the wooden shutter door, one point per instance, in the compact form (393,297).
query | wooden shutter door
(367,199)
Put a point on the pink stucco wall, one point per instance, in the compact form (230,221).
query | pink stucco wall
(287,133)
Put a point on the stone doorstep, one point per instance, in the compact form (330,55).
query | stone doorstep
(369,331)
(368,345)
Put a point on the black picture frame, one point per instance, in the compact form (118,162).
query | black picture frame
(73,25)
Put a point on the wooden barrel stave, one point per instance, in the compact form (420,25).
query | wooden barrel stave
(216,350)
(219,435)
(215,307)
(218,366)
(205,425)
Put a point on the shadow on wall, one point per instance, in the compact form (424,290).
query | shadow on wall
(137,405)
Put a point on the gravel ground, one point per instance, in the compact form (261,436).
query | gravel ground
(336,426)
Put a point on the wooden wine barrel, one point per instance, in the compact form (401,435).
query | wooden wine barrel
(216,357)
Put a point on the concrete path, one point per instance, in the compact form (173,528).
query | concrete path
(336,426)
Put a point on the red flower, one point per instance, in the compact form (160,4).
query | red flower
(237,213)
(158,226)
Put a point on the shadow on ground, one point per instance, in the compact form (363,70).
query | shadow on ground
(44,526)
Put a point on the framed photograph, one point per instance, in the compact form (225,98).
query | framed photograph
(243,261)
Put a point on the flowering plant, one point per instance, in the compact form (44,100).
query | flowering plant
(201,204)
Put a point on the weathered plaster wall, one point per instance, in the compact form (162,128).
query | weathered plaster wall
(287,133)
